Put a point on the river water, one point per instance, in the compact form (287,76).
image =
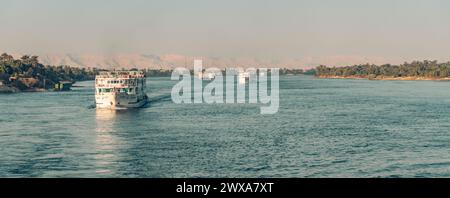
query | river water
(324,128)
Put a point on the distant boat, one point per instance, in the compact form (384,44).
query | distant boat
(120,90)
(63,86)
(206,76)
(243,77)
(209,76)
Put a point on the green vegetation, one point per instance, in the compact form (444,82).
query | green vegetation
(418,69)
(158,72)
(286,71)
(310,72)
(27,73)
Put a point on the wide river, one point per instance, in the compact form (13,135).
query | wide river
(324,128)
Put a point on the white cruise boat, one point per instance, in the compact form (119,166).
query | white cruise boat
(120,90)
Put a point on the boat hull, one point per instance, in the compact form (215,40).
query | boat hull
(118,101)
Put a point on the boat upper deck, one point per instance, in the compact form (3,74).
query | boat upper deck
(121,74)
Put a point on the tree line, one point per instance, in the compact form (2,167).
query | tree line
(14,71)
(426,68)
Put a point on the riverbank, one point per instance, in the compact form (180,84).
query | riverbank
(406,78)
(9,90)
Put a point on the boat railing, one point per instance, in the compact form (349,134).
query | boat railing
(121,74)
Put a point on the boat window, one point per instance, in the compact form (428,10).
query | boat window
(99,90)
(107,90)
(131,90)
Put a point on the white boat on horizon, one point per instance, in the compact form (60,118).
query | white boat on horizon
(206,76)
(243,77)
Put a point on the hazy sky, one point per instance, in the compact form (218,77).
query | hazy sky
(229,28)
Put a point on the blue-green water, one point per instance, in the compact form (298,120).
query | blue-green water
(324,128)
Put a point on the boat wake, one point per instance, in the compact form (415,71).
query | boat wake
(92,106)
(160,98)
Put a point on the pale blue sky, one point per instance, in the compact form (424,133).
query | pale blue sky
(229,28)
